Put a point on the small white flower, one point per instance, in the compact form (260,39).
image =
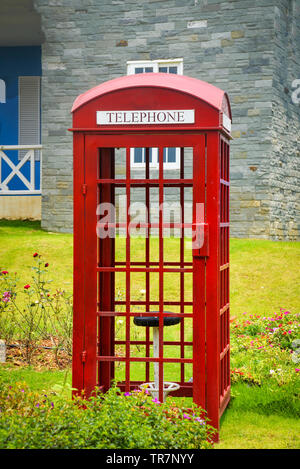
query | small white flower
(142,291)
(272,371)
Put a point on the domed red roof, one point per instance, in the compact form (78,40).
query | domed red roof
(202,90)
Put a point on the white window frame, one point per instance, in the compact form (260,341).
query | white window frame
(132,64)
(155,64)
(152,164)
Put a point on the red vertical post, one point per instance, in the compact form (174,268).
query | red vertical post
(213,281)
(128,262)
(90,267)
(199,281)
(78,263)
(182,367)
(161,273)
(147,257)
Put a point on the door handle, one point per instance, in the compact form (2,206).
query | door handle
(200,240)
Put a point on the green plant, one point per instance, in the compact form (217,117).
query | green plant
(35,313)
(111,420)
(261,349)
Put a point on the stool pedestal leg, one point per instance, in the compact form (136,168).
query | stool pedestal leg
(156,355)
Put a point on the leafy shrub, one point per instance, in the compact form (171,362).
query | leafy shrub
(111,420)
(32,313)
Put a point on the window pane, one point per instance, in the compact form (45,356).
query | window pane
(148,69)
(165,155)
(138,155)
(171,155)
(172,69)
(163,69)
(138,70)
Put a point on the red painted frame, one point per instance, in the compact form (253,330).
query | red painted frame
(95,348)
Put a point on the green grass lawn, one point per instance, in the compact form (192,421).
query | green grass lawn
(264,278)
(264,275)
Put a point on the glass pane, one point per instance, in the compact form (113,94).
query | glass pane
(120,163)
(138,155)
(138,70)
(163,69)
(165,155)
(148,69)
(173,70)
(171,155)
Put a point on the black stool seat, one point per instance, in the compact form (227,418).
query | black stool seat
(153,321)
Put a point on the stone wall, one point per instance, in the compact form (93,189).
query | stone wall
(232,44)
(284,188)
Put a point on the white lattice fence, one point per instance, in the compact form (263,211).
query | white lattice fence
(16,168)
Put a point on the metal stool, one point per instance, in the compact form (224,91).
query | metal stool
(153,321)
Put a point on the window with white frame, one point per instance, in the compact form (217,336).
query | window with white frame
(154,66)
(171,156)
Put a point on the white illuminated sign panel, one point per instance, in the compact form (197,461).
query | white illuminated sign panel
(147,117)
(226,123)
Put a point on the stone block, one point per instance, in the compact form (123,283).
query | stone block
(237,34)
(2,351)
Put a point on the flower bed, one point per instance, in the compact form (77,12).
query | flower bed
(266,347)
(113,420)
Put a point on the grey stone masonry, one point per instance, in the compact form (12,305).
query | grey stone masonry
(249,48)
(2,351)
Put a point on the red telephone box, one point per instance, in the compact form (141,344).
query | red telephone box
(123,132)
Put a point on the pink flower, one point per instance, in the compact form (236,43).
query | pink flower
(4,272)
(27,286)
(35,254)
(198,419)
(6,297)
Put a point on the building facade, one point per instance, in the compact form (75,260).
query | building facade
(251,49)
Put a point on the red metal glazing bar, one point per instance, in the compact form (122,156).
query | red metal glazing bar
(127,270)
(143,269)
(147,182)
(138,313)
(143,342)
(161,270)
(143,225)
(147,259)
(169,303)
(182,263)
(161,361)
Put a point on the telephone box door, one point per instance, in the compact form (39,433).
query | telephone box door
(101,266)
